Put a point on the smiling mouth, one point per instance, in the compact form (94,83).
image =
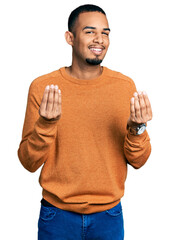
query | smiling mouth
(96,50)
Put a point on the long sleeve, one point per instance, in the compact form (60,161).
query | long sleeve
(85,153)
(137,149)
(38,134)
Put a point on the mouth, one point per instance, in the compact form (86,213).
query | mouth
(96,50)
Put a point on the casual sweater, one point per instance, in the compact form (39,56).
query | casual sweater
(84,154)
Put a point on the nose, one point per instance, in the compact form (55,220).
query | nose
(98,38)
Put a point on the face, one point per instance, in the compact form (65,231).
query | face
(91,38)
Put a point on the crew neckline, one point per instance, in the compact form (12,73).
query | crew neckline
(70,78)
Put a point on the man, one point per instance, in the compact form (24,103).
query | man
(85,140)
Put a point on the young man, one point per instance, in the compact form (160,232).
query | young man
(85,141)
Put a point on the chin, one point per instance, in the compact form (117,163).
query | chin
(94,62)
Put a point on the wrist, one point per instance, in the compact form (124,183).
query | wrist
(130,123)
(137,129)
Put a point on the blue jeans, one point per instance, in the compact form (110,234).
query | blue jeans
(58,224)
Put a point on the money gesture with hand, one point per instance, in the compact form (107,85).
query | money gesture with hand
(50,107)
(140,109)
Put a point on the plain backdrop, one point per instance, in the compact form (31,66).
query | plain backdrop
(32,44)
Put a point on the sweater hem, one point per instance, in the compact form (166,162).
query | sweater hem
(81,208)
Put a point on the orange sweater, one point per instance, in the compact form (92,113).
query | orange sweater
(85,153)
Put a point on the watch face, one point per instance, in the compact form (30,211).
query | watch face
(141,130)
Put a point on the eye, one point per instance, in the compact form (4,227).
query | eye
(104,33)
(89,32)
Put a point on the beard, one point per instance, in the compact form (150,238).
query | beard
(94,61)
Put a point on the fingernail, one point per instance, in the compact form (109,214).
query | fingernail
(139,92)
(56,87)
(144,93)
(47,87)
(52,86)
(135,94)
(132,100)
(59,91)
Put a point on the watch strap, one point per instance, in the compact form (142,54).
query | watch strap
(137,130)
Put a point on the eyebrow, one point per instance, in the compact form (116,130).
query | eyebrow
(89,27)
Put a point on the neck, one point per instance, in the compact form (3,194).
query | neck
(84,71)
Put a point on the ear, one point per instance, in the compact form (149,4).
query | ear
(69,38)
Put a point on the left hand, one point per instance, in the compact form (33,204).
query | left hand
(140,109)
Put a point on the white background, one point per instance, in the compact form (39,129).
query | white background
(33,44)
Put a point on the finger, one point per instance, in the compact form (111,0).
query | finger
(137,108)
(132,109)
(44,99)
(142,105)
(50,100)
(59,101)
(148,105)
(55,106)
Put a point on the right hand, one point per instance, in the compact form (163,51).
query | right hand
(50,107)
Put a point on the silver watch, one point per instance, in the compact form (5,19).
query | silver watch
(138,129)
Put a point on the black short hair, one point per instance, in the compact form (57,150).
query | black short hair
(81,9)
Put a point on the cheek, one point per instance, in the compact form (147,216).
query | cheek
(107,43)
(80,44)
(77,46)
(106,48)
(80,49)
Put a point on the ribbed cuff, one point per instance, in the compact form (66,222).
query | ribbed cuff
(44,122)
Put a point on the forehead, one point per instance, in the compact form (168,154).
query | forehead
(94,19)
